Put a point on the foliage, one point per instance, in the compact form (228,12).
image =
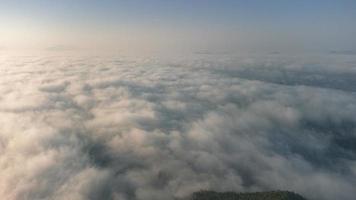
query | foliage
(273,195)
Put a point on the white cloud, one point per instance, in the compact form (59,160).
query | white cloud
(107,128)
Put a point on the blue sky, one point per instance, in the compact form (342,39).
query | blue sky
(200,24)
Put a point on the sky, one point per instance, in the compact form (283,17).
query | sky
(201,25)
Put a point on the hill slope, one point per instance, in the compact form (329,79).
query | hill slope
(274,195)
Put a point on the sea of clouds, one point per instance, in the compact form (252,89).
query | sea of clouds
(80,127)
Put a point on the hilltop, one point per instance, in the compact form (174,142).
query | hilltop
(273,195)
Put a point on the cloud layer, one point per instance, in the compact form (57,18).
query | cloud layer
(127,129)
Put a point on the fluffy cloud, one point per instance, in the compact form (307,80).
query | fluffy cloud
(115,128)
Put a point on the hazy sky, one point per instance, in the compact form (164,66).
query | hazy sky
(198,25)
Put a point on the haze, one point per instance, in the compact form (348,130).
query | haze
(157,25)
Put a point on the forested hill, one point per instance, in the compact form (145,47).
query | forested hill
(274,195)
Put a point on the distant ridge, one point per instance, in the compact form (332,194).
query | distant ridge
(273,195)
(61,48)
